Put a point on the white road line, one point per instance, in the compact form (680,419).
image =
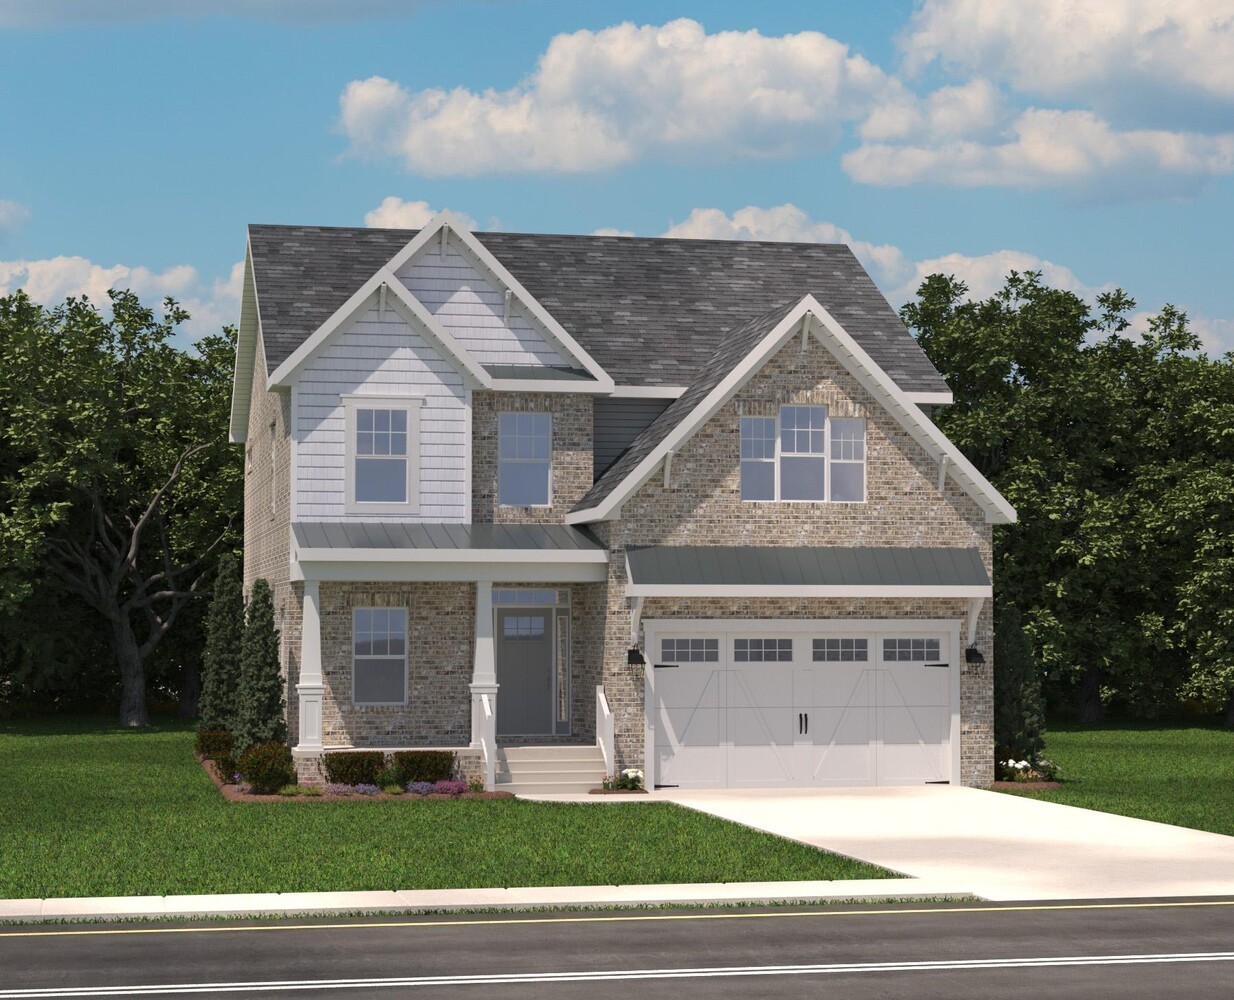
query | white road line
(718,972)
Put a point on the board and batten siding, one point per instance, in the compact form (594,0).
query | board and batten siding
(471,308)
(617,423)
(384,356)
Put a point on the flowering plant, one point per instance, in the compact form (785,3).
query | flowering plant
(419,787)
(450,787)
(630,780)
(1038,769)
(365,789)
(336,788)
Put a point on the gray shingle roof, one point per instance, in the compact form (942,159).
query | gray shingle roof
(735,346)
(749,565)
(650,311)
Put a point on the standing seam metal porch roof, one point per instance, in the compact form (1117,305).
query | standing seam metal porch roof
(393,536)
(768,566)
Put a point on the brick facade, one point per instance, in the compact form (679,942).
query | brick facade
(572,454)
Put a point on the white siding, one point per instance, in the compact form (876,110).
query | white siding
(470,307)
(386,357)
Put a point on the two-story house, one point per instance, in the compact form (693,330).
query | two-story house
(617,502)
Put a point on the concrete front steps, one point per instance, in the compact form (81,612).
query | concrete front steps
(549,770)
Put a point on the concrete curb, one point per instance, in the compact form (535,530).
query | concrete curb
(524,898)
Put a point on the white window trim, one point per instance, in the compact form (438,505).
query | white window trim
(412,405)
(826,457)
(526,506)
(406,657)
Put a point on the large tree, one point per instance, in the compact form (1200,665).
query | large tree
(1115,449)
(120,485)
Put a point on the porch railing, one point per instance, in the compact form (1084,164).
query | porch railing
(488,743)
(604,731)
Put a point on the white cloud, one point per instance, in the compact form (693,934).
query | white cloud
(974,108)
(612,232)
(211,304)
(1216,334)
(50,13)
(1063,149)
(599,99)
(394,213)
(985,274)
(1108,53)
(13,216)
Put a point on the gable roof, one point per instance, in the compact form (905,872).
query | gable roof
(651,312)
(740,356)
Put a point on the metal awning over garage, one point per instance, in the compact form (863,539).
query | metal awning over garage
(828,571)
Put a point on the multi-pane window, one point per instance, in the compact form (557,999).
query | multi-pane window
(524,459)
(523,626)
(379,656)
(803,462)
(690,650)
(803,454)
(758,458)
(381,455)
(911,650)
(841,650)
(848,460)
(763,650)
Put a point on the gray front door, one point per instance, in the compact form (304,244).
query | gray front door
(525,671)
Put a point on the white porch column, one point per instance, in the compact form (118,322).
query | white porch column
(311,687)
(484,670)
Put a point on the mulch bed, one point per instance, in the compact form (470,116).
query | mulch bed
(1027,786)
(232,793)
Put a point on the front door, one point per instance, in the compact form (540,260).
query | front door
(525,671)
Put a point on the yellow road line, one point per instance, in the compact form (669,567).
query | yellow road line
(629,918)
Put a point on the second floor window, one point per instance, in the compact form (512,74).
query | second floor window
(524,459)
(802,454)
(382,473)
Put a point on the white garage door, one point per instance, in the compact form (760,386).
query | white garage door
(799,707)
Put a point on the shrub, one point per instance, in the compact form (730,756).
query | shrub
(419,787)
(365,789)
(1018,708)
(392,789)
(354,767)
(475,785)
(422,765)
(289,791)
(261,713)
(310,790)
(220,683)
(227,768)
(214,744)
(449,787)
(267,767)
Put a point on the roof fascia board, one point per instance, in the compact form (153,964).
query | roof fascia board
(548,385)
(482,255)
(718,396)
(647,391)
(365,571)
(416,311)
(803,590)
(248,335)
(931,398)
(909,414)
(504,556)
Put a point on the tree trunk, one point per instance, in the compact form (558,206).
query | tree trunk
(1228,720)
(133,711)
(190,689)
(1089,707)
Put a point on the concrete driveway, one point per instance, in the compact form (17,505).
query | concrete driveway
(1001,847)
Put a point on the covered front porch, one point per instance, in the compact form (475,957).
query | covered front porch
(468,638)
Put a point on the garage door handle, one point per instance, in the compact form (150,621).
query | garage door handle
(803,723)
(943,665)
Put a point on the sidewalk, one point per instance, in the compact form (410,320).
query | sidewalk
(426,900)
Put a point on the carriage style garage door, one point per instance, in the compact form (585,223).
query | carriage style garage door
(782,704)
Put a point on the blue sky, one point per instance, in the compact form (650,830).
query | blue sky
(1093,140)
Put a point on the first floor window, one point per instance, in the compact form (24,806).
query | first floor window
(379,656)
(524,459)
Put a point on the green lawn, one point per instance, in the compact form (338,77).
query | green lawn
(1176,774)
(87,809)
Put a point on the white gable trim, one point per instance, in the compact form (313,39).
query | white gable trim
(248,336)
(931,398)
(851,355)
(481,255)
(402,300)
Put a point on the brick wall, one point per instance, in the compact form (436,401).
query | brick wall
(702,506)
(571,475)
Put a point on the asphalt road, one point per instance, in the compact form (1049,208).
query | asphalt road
(1126,950)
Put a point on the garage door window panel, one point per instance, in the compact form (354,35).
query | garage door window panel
(915,650)
(841,650)
(690,650)
(759,650)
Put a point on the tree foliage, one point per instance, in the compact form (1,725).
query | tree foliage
(1019,713)
(119,487)
(261,715)
(219,706)
(1117,449)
